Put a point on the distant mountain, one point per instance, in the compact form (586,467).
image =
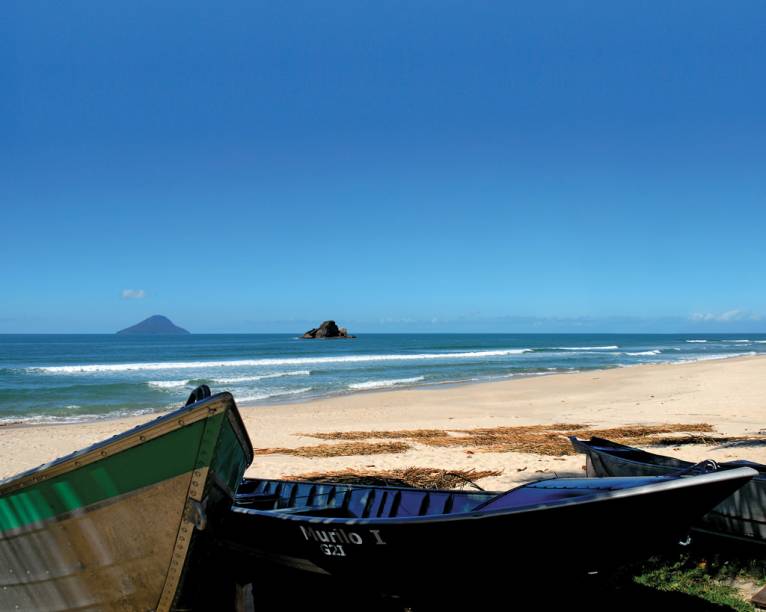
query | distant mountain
(155,325)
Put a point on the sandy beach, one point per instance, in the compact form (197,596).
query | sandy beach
(728,394)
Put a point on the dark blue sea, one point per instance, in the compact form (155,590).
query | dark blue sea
(69,378)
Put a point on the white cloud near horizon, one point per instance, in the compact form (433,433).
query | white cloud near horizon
(729,315)
(133,294)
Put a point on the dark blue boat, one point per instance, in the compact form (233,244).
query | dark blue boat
(404,541)
(741,516)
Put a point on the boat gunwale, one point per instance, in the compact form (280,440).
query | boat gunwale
(240,430)
(367,486)
(600,496)
(145,432)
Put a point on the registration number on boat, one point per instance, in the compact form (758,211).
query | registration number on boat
(332,550)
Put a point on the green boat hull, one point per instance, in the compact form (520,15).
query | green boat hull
(116,526)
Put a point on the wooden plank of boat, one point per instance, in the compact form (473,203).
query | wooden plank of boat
(403,541)
(111,527)
(740,517)
(759,599)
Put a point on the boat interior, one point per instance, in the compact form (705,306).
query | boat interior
(336,500)
(353,501)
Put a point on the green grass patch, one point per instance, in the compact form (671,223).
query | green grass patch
(713,578)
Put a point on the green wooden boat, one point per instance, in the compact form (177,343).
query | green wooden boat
(123,524)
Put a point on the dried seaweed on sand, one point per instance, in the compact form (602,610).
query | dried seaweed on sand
(338,450)
(420,477)
(550,440)
(412,434)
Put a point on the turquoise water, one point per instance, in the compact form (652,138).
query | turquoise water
(83,377)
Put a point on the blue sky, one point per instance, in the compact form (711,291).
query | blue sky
(399,166)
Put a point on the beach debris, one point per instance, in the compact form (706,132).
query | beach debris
(412,434)
(328,329)
(549,440)
(420,477)
(338,450)
(545,440)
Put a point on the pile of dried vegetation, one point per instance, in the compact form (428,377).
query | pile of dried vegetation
(338,450)
(551,440)
(420,477)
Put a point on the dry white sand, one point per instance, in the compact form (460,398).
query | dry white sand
(729,394)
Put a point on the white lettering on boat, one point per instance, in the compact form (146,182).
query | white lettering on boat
(338,536)
(333,536)
(376,533)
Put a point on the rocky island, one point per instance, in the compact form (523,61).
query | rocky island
(328,329)
(156,325)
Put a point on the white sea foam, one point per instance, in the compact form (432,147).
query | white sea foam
(716,356)
(641,353)
(167,384)
(48,419)
(187,365)
(760,341)
(381,384)
(263,396)
(588,348)
(239,379)
(737,341)
(698,341)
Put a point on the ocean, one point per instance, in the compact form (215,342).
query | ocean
(71,378)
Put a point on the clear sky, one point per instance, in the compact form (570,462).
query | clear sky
(397,166)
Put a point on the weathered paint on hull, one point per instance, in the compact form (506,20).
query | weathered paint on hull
(111,527)
(102,556)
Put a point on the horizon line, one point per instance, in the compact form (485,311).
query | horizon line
(391,333)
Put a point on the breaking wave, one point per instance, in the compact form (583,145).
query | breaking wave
(186,365)
(381,384)
(50,419)
(716,356)
(239,379)
(167,384)
(588,348)
(263,396)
